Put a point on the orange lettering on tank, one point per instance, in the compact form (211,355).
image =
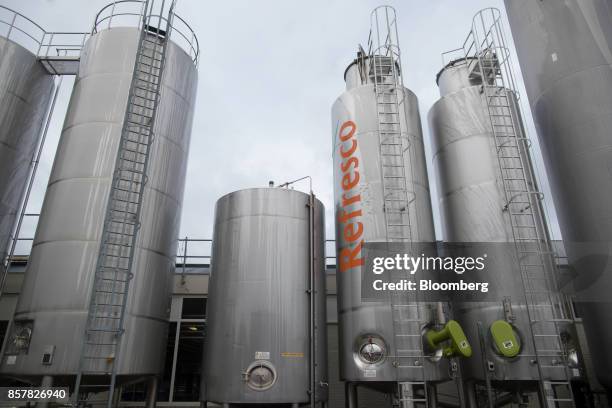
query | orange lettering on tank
(349,221)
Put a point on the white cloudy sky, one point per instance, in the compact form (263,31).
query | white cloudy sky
(269,73)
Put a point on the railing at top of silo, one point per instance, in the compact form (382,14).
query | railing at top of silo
(487,35)
(23,31)
(129,13)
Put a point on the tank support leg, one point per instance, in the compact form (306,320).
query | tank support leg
(117,396)
(350,391)
(470,394)
(406,395)
(152,392)
(47,381)
(432,395)
(295,405)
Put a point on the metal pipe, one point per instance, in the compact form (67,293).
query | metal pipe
(440,317)
(350,395)
(483,348)
(432,395)
(177,333)
(46,382)
(152,392)
(312,290)
(470,395)
(184,261)
(116,396)
(26,198)
(406,394)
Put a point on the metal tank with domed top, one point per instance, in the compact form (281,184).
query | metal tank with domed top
(493,202)
(381,194)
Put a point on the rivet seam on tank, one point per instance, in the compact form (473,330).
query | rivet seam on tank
(349,215)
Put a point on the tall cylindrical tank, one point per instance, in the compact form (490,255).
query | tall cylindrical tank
(257,347)
(360,218)
(53,305)
(25,92)
(565,53)
(474,209)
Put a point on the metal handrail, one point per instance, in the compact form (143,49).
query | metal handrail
(184,257)
(36,39)
(195,257)
(133,11)
(13,25)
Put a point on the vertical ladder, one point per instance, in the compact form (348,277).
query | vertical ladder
(385,69)
(535,257)
(109,294)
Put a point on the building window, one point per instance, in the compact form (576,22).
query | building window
(189,362)
(180,380)
(163,391)
(3,329)
(193,308)
(134,392)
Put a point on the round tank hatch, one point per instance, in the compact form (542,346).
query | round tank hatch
(371,353)
(370,349)
(260,375)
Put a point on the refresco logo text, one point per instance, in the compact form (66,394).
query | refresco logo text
(349,222)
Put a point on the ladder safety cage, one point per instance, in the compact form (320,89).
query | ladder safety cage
(385,71)
(109,293)
(487,55)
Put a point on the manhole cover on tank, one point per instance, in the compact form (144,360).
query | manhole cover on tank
(260,376)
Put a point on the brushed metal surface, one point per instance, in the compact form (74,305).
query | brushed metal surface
(25,93)
(471,199)
(357,318)
(58,280)
(258,305)
(565,53)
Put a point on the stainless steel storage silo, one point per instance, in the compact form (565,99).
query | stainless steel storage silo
(358,106)
(489,201)
(257,350)
(49,325)
(377,139)
(472,200)
(565,53)
(25,93)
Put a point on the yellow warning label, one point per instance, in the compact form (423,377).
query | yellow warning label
(290,354)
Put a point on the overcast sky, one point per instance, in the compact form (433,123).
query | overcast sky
(269,73)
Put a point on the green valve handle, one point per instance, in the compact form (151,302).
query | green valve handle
(452,331)
(505,338)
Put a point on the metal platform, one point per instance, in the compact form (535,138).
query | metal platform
(61,65)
